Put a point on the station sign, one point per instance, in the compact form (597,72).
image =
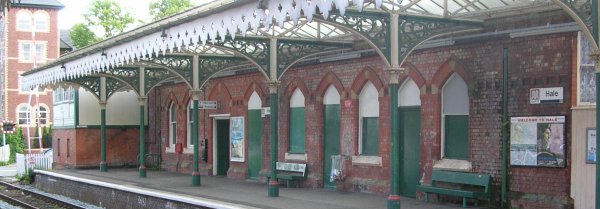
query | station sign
(552,95)
(207,104)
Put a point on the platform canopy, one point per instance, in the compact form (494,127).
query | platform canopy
(230,36)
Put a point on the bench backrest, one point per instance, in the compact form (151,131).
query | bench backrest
(476,179)
(292,167)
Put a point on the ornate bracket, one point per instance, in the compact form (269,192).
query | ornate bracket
(255,48)
(290,51)
(181,64)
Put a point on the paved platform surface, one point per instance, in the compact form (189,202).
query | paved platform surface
(246,192)
(8,170)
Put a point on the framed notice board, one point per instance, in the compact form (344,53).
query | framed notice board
(537,141)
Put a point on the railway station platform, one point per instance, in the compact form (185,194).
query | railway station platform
(122,188)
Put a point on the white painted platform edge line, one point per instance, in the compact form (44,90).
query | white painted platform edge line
(151,192)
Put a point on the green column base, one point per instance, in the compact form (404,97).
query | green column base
(196,179)
(142,171)
(393,202)
(273,188)
(103,167)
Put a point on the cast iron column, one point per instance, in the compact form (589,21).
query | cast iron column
(195,97)
(142,169)
(394,70)
(395,143)
(196,171)
(103,167)
(273,183)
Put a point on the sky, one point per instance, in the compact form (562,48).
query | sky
(74,9)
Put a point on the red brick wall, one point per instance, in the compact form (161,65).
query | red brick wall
(542,61)
(122,147)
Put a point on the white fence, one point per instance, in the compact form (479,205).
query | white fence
(32,161)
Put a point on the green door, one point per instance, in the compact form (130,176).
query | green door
(331,140)
(222,147)
(254,148)
(410,129)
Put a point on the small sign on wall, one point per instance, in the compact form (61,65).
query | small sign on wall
(207,104)
(265,111)
(546,95)
(590,154)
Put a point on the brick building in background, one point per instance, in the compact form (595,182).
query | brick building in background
(29,38)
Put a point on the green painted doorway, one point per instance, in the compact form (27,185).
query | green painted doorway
(331,140)
(222,130)
(254,148)
(410,129)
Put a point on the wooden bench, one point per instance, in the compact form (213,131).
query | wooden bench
(288,172)
(478,185)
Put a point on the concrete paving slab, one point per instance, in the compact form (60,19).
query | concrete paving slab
(249,193)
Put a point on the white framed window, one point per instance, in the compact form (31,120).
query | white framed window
(28,50)
(369,120)
(41,21)
(24,20)
(63,106)
(190,123)
(23,114)
(586,77)
(172,126)
(41,115)
(455,118)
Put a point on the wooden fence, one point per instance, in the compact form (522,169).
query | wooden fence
(32,161)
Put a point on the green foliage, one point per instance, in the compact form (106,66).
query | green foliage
(16,141)
(109,16)
(82,36)
(27,178)
(160,9)
(47,137)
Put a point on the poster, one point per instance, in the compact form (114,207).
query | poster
(537,141)
(590,154)
(237,139)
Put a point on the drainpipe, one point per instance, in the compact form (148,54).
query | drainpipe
(504,125)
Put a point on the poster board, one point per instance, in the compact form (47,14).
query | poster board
(236,135)
(590,154)
(537,141)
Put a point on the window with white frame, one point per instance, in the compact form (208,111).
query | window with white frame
(297,125)
(63,106)
(24,20)
(41,115)
(455,118)
(190,123)
(23,114)
(41,21)
(586,76)
(172,125)
(369,120)
(28,50)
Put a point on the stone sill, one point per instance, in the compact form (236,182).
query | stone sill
(366,160)
(295,157)
(170,149)
(453,165)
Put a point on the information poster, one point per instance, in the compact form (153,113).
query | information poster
(537,141)
(237,139)
(590,156)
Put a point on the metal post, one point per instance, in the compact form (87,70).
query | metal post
(273,183)
(103,95)
(504,126)
(103,138)
(142,169)
(596,57)
(394,197)
(196,171)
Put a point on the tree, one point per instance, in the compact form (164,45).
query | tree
(108,15)
(82,36)
(163,8)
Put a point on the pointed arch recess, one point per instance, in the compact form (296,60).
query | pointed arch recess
(296,83)
(257,87)
(367,74)
(452,65)
(413,73)
(329,79)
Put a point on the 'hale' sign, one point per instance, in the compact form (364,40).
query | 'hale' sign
(546,95)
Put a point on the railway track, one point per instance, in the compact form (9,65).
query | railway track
(28,199)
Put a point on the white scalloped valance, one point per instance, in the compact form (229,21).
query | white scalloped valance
(198,31)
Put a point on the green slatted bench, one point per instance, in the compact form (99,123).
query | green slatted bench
(288,172)
(479,185)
